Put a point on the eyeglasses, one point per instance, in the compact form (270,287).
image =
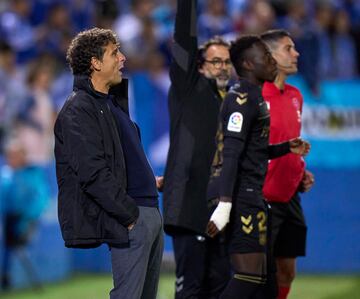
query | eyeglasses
(218,63)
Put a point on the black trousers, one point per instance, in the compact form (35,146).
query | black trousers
(202,266)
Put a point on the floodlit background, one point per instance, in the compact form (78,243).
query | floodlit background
(35,81)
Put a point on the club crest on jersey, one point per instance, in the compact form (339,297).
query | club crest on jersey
(235,122)
(296,103)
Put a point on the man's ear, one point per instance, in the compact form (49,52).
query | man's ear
(95,64)
(201,69)
(247,65)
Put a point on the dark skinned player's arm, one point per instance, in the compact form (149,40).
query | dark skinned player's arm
(237,121)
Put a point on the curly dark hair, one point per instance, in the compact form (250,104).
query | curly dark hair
(87,44)
(239,50)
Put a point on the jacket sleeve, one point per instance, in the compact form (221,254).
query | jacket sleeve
(183,69)
(83,138)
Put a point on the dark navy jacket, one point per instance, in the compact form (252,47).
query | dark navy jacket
(93,205)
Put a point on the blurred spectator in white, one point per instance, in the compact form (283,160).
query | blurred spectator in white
(16,29)
(146,42)
(35,122)
(215,20)
(130,26)
(12,89)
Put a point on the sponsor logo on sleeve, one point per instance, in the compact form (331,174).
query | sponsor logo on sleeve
(235,122)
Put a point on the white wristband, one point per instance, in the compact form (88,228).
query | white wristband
(221,215)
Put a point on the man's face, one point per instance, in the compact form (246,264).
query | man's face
(217,65)
(286,56)
(111,64)
(264,65)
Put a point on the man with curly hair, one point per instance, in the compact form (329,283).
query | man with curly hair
(107,190)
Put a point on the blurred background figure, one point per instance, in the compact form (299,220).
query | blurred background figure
(35,82)
(24,195)
(132,25)
(12,89)
(55,30)
(341,60)
(35,121)
(16,27)
(214,20)
(298,22)
(259,16)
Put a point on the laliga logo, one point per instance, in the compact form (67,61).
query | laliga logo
(235,119)
(235,122)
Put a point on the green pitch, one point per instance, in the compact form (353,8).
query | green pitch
(98,286)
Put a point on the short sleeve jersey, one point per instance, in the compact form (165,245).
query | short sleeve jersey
(284,174)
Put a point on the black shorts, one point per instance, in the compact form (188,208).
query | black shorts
(247,230)
(288,228)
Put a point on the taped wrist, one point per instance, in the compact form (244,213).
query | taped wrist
(221,215)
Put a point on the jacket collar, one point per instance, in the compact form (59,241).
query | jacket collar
(118,92)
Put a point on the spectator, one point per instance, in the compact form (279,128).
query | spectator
(55,31)
(214,20)
(303,32)
(36,118)
(16,28)
(344,59)
(324,14)
(129,27)
(24,196)
(12,89)
(259,16)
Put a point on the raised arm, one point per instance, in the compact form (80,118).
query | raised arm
(184,48)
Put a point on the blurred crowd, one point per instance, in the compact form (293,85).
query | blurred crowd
(35,79)
(34,36)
